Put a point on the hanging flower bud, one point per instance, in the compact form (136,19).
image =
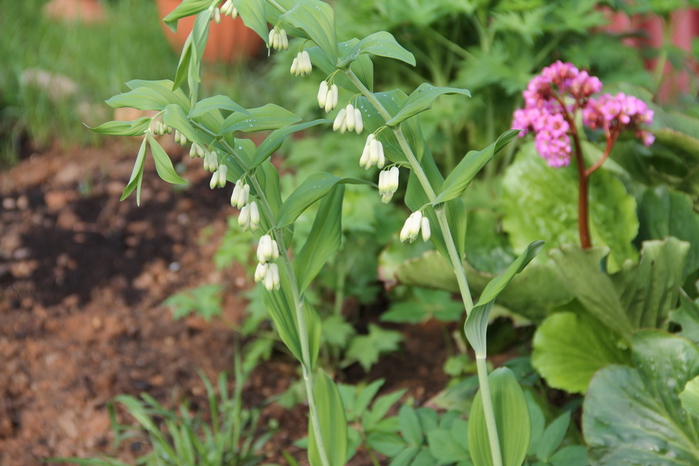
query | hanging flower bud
(267,249)
(340,121)
(214,180)
(222,173)
(254,216)
(358,123)
(322,93)
(411,228)
(210,161)
(217,16)
(350,117)
(425,228)
(244,221)
(332,98)
(388,183)
(376,155)
(261,272)
(364,161)
(278,39)
(229,9)
(241,194)
(271,278)
(301,65)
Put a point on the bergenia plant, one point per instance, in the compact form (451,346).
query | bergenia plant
(216,127)
(552,102)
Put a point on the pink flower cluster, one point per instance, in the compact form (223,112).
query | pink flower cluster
(615,112)
(553,98)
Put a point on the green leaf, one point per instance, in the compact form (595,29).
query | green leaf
(184,9)
(362,66)
(470,166)
(405,457)
(313,188)
(183,66)
(570,347)
(371,419)
(263,118)
(163,164)
(663,213)
(447,447)
(333,426)
(553,436)
(274,141)
(148,95)
(537,423)
(476,325)
(690,397)
(386,443)
(633,415)
(124,128)
(336,331)
(511,418)
(366,349)
(164,87)
(539,201)
(317,20)
(421,99)
(410,425)
(425,304)
(217,102)
(136,175)
(175,117)
(687,315)
(205,300)
(253,14)
(381,44)
(573,455)
(323,240)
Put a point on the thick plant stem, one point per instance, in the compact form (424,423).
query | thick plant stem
(583,194)
(488,411)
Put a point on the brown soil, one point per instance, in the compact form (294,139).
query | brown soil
(82,281)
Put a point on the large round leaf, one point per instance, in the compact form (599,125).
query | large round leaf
(633,415)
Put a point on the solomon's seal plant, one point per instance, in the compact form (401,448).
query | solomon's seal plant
(499,428)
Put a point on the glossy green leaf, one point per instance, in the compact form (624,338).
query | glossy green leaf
(333,426)
(663,213)
(633,415)
(218,102)
(323,240)
(511,418)
(165,88)
(422,99)
(541,202)
(637,296)
(553,436)
(124,128)
(690,397)
(470,166)
(141,98)
(476,325)
(183,64)
(313,188)
(570,347)
(253,14)
(381,44)
(163,164)
(136,175)
(410,425)
(317,20)
(264,118)
(687,316)
(274,141)
(184,9)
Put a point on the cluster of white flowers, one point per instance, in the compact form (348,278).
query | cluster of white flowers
(349,119)
(328,96)
(161,128)
(180,138)
(249,217)
(210,161)
(278,39)
(267,272)
(196,151)
(372,154)
(218,179)
(229,10)
(301,65)
(412,227)
(388,183)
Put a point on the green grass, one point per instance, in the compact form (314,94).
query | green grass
(99,58)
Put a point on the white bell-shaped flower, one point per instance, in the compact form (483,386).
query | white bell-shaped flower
(411,227)
(267,249)
(425,228)
(261,271)
(358,123)
(271,279)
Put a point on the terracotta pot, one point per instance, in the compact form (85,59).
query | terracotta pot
(230,41)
